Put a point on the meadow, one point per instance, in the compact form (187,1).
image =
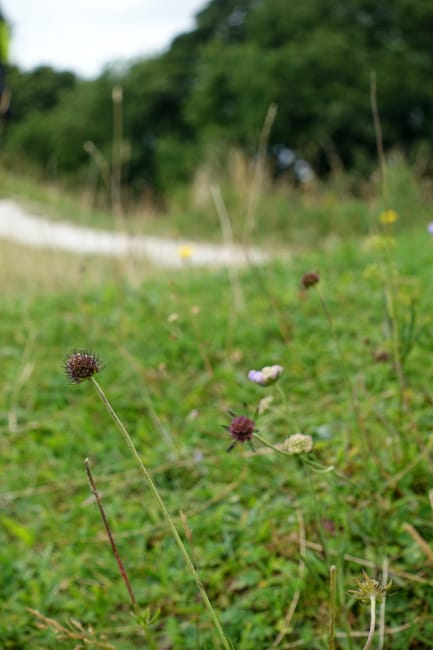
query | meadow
(293,549)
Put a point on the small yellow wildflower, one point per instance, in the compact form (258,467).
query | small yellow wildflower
(185,252)
(388,216)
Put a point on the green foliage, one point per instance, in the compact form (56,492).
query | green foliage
(38,90)
(80,114)
(215,83)
(177,352)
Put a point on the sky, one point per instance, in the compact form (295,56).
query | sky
(86,35)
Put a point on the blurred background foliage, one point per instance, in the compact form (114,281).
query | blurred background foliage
(210,92)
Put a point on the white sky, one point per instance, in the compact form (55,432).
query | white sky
(86,35)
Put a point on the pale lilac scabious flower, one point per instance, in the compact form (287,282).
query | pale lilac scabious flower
(430,228)
(266,376)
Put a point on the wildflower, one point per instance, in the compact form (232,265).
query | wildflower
(185,252)
(298,443)
(241,429)
(81,365)
(369,589)
(388,216)
(381,356)
(310,279)
(266,376)
(430,228)
(265,404)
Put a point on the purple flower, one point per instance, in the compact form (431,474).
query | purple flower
(266,376)
(430,228)
(241,429)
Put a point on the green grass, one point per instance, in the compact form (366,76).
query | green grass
(176,352)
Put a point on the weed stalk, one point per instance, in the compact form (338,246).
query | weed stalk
(332,612)
(155,493)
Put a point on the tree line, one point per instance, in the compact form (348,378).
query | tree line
(212,88)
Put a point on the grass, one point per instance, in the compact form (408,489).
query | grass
(264,530)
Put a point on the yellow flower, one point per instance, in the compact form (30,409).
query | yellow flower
(185,252)
(388,216)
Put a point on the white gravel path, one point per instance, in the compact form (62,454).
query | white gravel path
(18,225)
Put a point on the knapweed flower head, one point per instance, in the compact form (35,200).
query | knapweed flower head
(298,443)
(369,588)
(241,429)
(81,365)
(266,376)
(388,216)
(310,279)
(430,228)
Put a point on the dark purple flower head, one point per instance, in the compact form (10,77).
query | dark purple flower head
(241,429)
(81,365)
(310,279)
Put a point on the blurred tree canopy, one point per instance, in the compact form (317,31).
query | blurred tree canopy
(215,83)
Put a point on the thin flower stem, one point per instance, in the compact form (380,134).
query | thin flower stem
(225,643)
(289,410)
(110,536)
(372,623)
(316,466)
(382,608)
(270,445)
(332,613)
(310,482)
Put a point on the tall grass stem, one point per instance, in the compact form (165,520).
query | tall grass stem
(155,493)
(332,609)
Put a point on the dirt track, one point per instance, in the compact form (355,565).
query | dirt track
(22,227)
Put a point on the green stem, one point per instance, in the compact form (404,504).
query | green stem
(165,513)
(271,446)
(316,466)
(372,623)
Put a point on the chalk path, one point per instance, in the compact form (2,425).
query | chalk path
(20,226)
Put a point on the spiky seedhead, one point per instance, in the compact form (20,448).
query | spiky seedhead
(241,429)
(369,588)
(81,365)
(310,279)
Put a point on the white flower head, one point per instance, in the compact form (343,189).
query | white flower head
(298,443)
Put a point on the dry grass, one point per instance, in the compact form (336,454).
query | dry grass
(37,271)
